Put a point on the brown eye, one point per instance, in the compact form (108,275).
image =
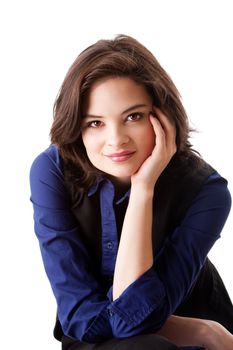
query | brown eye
(135,117)
(94,124)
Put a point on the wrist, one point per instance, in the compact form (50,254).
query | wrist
(142,191)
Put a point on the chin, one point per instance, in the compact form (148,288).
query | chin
(122,174)
(119,171)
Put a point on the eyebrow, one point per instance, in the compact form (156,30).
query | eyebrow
(126,111)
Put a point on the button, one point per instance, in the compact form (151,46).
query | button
(110,312)
(110,245)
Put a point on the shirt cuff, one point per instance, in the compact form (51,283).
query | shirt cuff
(99,330)
(139,299)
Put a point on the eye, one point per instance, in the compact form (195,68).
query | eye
(135,117)
(94,124)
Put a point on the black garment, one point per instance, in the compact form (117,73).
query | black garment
(139,342)
(208,299)
(176,188)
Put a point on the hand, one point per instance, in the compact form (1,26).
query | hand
(186,331)
(165,148)
(216,337)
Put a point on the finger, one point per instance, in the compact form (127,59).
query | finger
(165,121)
(169,128)
(160,137)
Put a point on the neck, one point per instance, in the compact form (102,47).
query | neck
(121,185)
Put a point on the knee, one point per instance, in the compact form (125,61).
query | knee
(148,342)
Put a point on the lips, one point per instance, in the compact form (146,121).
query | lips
(120,156)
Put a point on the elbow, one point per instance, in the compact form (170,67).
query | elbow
(151,324)
(83,335)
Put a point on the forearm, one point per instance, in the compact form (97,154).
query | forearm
(135,254)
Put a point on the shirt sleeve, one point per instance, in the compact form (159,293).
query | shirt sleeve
(154,296)
(82,306)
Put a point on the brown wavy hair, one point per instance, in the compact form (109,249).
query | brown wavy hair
(121,57)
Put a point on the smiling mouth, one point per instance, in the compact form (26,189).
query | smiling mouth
(121,156)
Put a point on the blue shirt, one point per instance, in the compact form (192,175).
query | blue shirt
(86,309)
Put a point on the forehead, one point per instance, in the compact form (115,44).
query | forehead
(115,93)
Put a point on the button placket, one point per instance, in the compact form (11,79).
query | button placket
(110,312)
(109,229)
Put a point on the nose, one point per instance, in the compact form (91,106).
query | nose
(117,136)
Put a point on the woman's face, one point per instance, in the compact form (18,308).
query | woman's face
(117,133)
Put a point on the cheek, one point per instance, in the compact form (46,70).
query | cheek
(87,140)
(91,144)
(87,143)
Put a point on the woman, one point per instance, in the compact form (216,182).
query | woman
(126,212)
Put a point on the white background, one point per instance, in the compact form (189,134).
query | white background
(39,41)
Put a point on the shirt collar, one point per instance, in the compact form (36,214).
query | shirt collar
(94,188)
(126,195)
